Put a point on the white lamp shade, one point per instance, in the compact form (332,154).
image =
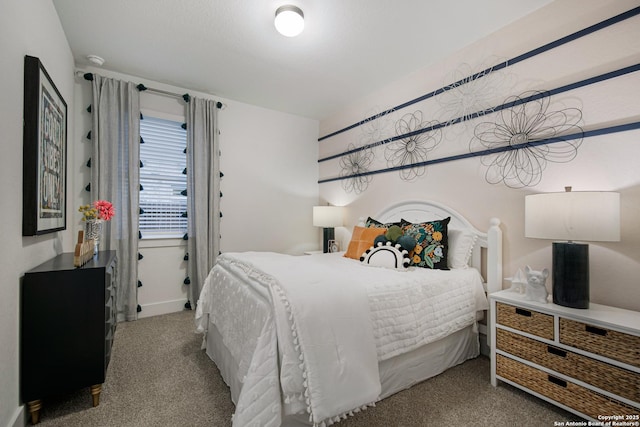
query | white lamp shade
(327,216)
(289,20)
(573,215)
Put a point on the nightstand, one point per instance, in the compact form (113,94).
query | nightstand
(313,252)
(586,361)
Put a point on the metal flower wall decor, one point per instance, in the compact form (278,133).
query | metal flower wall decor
(524,137)
(353,168)
(471,95)
(411,149)
(377,128)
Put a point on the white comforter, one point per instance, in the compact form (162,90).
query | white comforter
(334,318)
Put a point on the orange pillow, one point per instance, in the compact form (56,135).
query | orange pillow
(361,240)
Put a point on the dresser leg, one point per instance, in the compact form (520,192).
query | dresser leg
(34,410)
(95,393)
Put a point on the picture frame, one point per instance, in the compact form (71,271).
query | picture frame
(334,246)
(44,176)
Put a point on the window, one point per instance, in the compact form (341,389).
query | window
(162,204)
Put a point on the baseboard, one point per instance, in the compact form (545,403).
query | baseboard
(18,419)
(164,307)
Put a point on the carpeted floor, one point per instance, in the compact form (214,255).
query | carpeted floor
(158,376)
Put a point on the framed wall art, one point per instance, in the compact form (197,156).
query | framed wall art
(44,178)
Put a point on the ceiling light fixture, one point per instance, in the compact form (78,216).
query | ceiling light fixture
(289,20)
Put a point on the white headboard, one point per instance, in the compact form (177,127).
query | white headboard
(488,243)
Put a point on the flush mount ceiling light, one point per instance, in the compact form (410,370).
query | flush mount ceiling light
(289,20)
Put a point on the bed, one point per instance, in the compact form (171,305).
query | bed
(311,340)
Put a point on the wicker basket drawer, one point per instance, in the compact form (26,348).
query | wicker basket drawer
(525,320)
(605,342)
(615,380)
(567,393)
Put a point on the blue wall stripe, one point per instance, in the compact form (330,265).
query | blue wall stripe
(566,39)
(586,134)
(561,89)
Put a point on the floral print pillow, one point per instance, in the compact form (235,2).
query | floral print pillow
(432,243)
(374,223)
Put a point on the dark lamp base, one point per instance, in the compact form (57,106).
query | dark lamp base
(328,234)
(571,274)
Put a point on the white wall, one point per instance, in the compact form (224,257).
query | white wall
(605,163)
(269,161)
(27,27)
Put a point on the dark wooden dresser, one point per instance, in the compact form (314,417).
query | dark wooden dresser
(68,319)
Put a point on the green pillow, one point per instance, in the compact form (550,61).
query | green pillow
(393,233)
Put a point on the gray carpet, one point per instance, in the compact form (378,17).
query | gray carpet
(158,376)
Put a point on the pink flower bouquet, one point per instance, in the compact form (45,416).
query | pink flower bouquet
(100,209)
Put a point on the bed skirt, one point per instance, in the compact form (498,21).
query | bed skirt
(396,374)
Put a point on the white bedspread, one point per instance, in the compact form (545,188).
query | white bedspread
(335,319)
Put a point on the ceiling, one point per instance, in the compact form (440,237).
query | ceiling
(230,48)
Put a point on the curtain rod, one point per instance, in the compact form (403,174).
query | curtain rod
(220,105)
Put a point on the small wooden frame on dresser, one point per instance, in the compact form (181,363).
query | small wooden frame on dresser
(586,361)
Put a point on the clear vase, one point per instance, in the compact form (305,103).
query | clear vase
(93,229)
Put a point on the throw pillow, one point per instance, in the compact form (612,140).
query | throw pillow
(361,240)
(461,243)
(431,243)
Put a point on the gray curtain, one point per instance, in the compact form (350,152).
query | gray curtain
(115,176)
(203,190)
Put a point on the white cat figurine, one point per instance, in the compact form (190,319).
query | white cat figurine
(535,289)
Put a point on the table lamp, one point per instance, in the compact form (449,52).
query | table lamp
(572,215)
(327,217)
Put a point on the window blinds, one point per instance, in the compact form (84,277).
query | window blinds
(162,178)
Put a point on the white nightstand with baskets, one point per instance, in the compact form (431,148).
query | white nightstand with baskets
(586,361)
